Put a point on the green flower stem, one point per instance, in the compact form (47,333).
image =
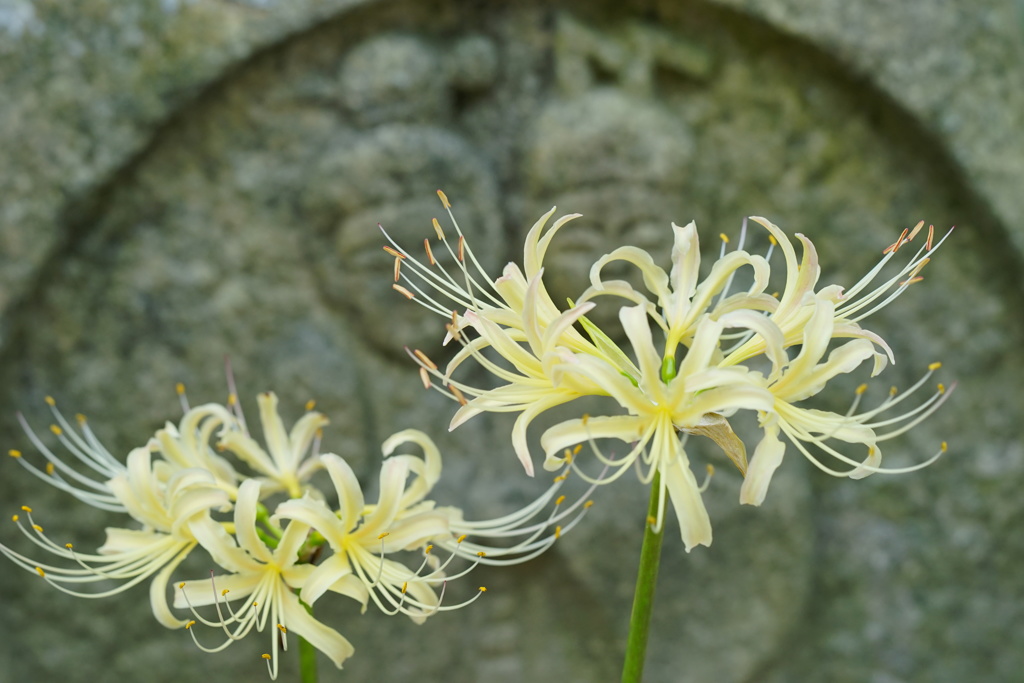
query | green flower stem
(643,597)
(307,656)
(647,574)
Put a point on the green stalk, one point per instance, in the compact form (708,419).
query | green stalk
(647,574)
(307,656)
(643,597)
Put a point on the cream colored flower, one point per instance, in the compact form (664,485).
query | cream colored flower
(709,364)
(269,576)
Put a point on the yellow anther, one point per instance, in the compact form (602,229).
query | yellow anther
(579,447)
(462,248)
(38,528)
(425,378)
(588,504)
(458,395)
(56,430)
(26,508)
(39,570)
(893,390)
(444,199)
(559,500)
(871,451)
(944,447)
(483,589)
(190,624)
(180,388)
(225,592)
(383,535)
(398,269)
(861,389)
(69,546)
(49,401)
(423,359)
(403,291)
(265,656)
(437,228)
(916,229)
(50,469)
(723,237)
(80,418)
(426,551)
(461,538)
(181,586)
(560,478)
(481,554)
(935,366)
(255,604)
(320,433)
(232,399)
(15,518)
(772,240)
(558,532)
(585,419)
(567,455)
(393,252)
(310,404)
(710,469)
(430,254)
(282,628)
(942,388)
(405,586)
(14,453)
(775,295)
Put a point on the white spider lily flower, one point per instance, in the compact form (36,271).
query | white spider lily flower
(269,575)
(285,462)
(165,501)
(542,361)
(514,315)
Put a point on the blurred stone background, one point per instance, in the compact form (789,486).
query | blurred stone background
(182,181)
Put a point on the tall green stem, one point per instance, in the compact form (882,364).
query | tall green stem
(643,597)
(307,656)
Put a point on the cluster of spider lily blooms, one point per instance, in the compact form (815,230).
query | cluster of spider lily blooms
(698,354)
(184,493)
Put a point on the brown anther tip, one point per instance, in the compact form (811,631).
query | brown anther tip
(444,199)
(398,269)
(915,230)
(931,238)
(437,228)
(462,248)
(425,378)
(423,359)
(458,395)
(394,252)
(430,254)
(403,291)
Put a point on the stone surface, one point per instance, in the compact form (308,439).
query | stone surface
(186,181)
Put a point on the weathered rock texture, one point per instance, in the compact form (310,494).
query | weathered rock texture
(187,180)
